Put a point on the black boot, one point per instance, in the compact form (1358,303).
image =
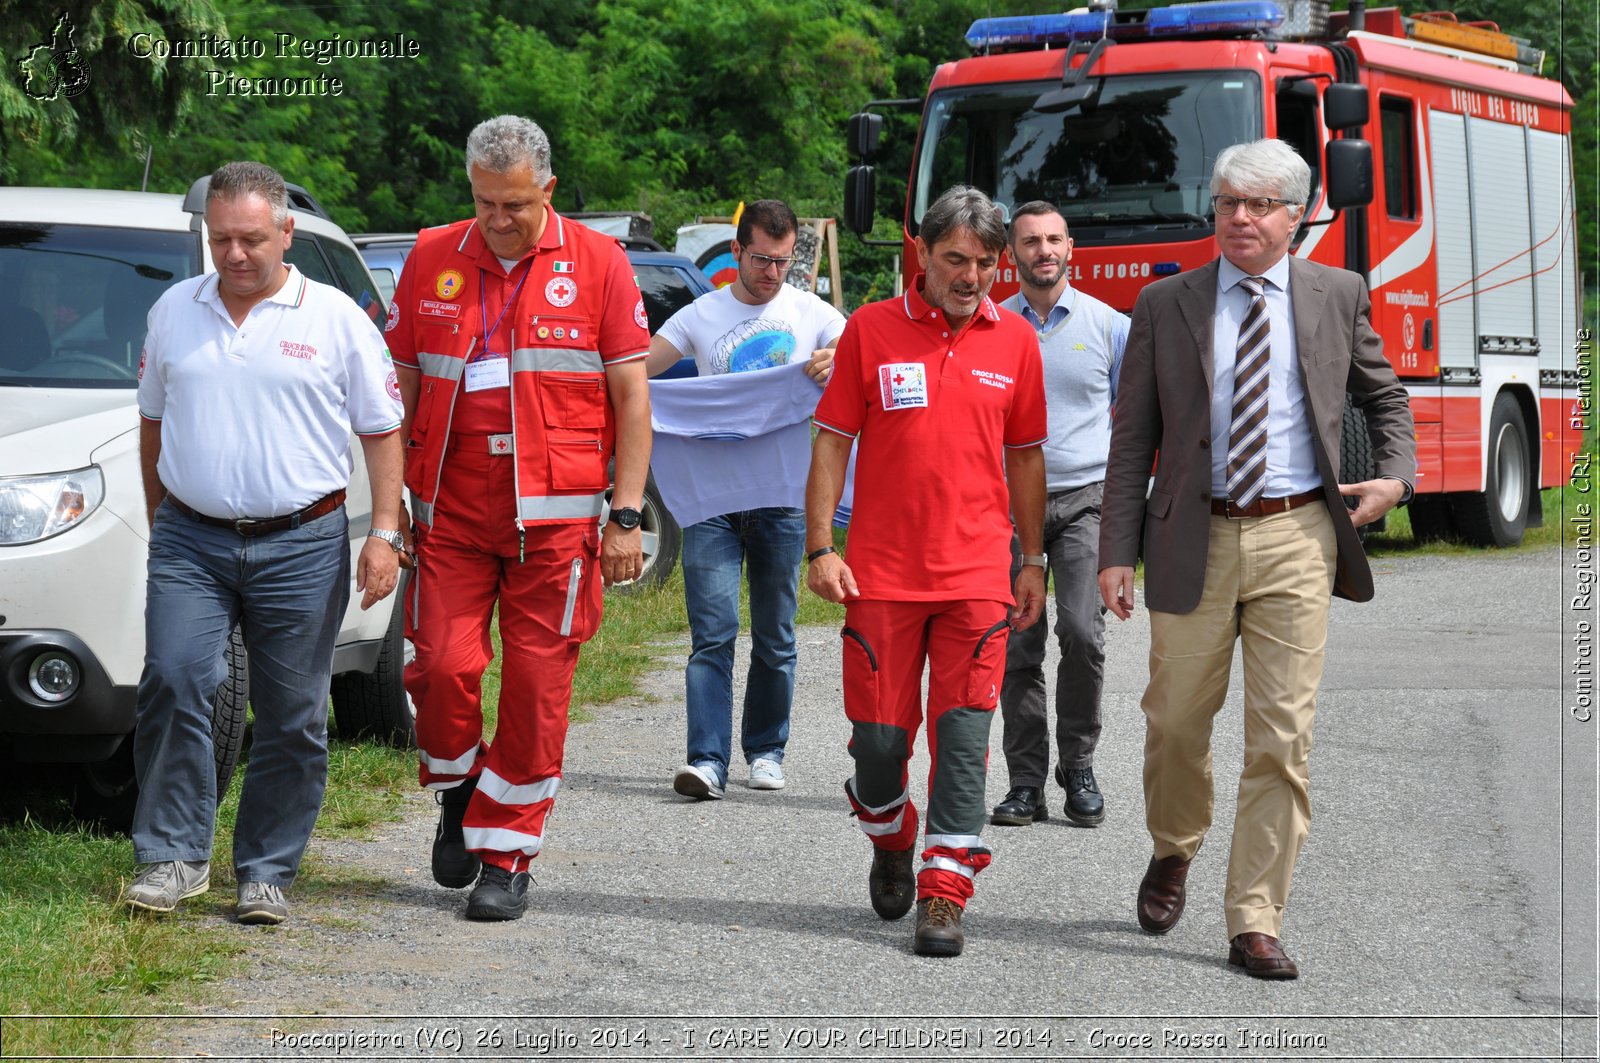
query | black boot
(453,866)
(499,895)
(1085,806)
(890,883)
(1022,806)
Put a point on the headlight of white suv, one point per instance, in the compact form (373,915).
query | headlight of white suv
(37,507)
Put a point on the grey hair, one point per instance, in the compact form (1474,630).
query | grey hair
(1263,168)
(236,180)
(964,207)
(504,142)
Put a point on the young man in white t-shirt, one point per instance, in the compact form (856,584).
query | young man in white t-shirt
(757,322)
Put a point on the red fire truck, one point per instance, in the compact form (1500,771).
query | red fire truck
(1441,171)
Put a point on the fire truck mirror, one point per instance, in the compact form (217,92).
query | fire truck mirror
(1349,173)
(862,135)
(860,197)
(1345,106)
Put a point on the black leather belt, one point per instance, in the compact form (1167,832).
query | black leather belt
(249,526)
(1262,507)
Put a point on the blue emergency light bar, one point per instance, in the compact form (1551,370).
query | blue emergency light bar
(1211,18)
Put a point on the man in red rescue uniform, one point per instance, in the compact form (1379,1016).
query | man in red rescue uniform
(943,395)
(520,339)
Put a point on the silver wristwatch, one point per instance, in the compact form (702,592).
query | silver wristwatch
(393,538)
(1042,560)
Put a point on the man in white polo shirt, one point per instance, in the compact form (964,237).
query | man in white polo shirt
(252,379)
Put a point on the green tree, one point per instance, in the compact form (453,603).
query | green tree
(75,78)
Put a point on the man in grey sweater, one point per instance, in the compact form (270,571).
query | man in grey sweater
(1081,340)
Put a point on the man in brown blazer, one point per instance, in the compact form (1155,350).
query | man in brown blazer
(1236,373)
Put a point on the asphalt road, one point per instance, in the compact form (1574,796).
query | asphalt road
(1443,908)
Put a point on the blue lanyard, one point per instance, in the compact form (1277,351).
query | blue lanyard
(483,307)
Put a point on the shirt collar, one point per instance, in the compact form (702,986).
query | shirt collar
(473,245)
(1229,275)
(1066,304)
(292,294)
(917,308)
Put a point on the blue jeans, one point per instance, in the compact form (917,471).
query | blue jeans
(768,543)
(289,589)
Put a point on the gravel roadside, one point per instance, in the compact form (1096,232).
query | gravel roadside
(1429,886)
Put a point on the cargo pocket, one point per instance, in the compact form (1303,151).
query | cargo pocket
(860,677)
(987,668)
(574,407)
(582,601)
(573,400)
(421,469)
(576,464)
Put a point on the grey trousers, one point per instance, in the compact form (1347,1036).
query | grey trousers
(1072,541)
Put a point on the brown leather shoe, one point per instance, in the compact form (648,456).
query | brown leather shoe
(938,928)
(890,883)
(1161,893)
(1261,956)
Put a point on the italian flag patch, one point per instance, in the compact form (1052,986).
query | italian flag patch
(561,267)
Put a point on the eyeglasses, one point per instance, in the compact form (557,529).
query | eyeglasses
(1255,206)
(766,262)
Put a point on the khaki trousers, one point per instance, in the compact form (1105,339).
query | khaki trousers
(1268,581)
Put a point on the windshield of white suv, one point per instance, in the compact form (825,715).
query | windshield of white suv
(74,300)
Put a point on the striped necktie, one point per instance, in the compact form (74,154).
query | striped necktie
(1247,433)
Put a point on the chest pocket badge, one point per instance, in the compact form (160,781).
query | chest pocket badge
(903,385)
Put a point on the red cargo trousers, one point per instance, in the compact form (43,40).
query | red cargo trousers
(886,645)
(548,589)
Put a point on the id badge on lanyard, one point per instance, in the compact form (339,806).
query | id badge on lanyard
(494,370)
(491,371)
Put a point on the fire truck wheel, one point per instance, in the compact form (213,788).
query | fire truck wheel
(1355,457)
(1498,516)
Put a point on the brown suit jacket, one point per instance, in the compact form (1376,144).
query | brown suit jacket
(1164,403)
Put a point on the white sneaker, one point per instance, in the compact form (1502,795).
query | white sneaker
(160,886)
(766,774)
(698,783)
(261,903)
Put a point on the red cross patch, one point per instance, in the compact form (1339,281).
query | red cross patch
(561,291)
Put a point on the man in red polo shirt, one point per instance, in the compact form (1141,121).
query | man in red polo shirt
(943,395)
(519,337)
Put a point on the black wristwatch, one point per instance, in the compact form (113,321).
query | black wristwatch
(626,519)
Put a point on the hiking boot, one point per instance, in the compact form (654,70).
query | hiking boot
(261,903)
(938,928)
(453,866)
(890,883)
(160,886)
(766,774)
(499,894)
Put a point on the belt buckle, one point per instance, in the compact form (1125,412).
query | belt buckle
(501,443)
(245,525)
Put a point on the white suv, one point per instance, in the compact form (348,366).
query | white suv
(79,270)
